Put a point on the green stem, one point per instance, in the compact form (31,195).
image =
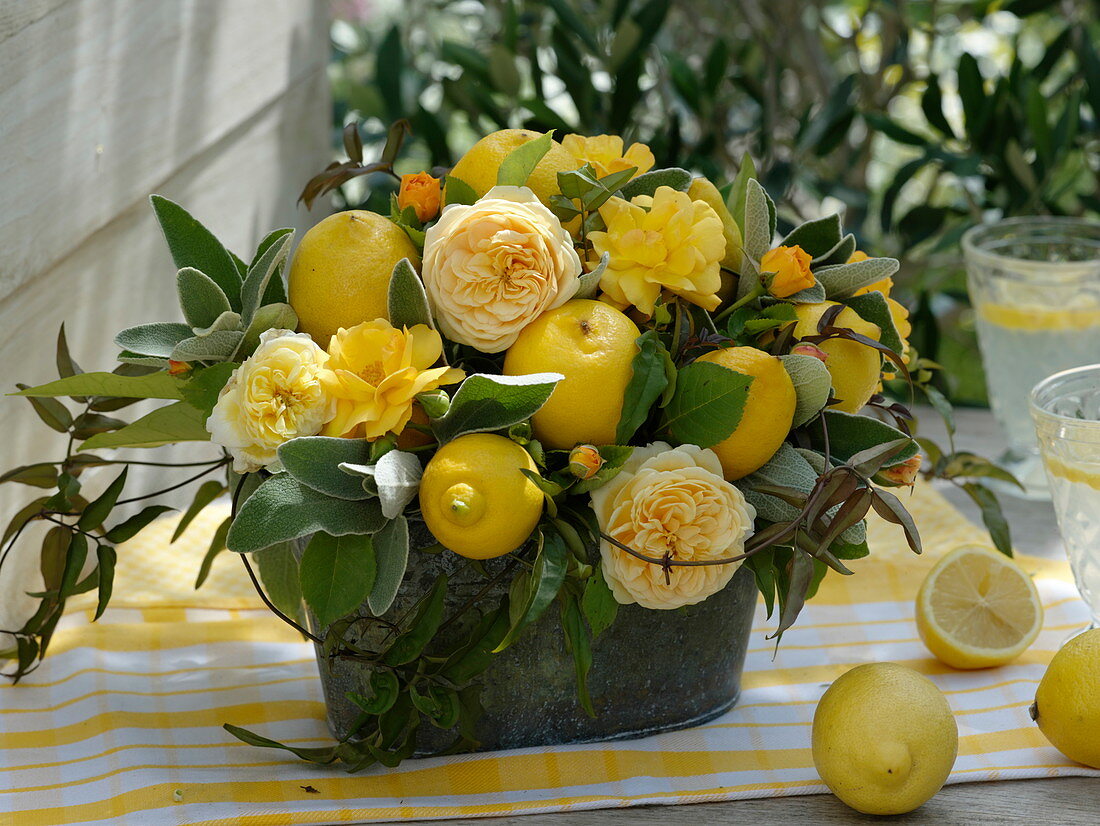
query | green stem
(753,294)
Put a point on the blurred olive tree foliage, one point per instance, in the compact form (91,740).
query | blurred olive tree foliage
(919,119)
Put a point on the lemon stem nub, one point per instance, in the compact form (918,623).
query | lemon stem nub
(462,504)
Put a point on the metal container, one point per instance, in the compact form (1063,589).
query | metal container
(651,670)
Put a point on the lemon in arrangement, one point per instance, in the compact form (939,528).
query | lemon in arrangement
(479,166)
(593,345)
(340,273)
(884,739)
(1067,702)
(475,500)
(977,608)
(767,415)
(855,368)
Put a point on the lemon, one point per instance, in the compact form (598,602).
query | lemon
(479,166)
(884,739)
(1067,703)
(340,273)
(977,608)
(703,190)
(768,413)
(474,499)
(1033,318)
(854,367)
(593,345)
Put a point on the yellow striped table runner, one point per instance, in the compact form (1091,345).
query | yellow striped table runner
(122,722)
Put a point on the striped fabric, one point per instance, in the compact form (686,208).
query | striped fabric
(122,722)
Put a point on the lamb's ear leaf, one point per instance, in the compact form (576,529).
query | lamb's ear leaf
(408,301)
(193,245)
(200,297)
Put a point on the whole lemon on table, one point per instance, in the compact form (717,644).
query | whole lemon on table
(479,166)
(475,500)
(855,368)
(977,608)
(767,415)
(340,273)
(884,739)
(1067,702)
(593,345)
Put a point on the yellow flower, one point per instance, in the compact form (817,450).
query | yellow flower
(667,241)
(375,372)
(791,266)
(493,267)
(884,286)
(900,315)
(421,192)
(605,154)
(675,501)
(275,396)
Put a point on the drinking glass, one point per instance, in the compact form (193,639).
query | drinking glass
(1035,287)
(1066,410)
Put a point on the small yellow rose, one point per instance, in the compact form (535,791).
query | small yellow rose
(275,396)
(668,242)
(791,266)
(675,501)
(375,372)
(493,267)
(605,154)
(421,192)
(585,461)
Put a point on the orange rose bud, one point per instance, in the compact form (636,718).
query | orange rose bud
(901,474)
(791,266)
(810,350)
(585,461)
(421,192)
(178,368)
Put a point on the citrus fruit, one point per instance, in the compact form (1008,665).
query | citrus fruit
(479,166)
(474,499)
(768,413)
(340,273)
(854,367)
(703,190)
(1067,702)
(593,345)
(977,608)
(884,739)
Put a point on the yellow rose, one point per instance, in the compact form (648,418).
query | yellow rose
(493,267)
(605,154)
(667,241)
(884,286)
(421,192)
(275,396)
(791,266)
(375,372)
(670,500)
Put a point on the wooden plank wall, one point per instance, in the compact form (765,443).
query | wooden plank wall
(222,106)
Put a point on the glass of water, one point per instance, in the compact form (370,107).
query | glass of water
(1066,410)
(1035,287)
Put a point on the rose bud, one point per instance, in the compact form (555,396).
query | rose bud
(178,368)
(421,192)
(585,461)
(904,473)
(809,350)
(791,268)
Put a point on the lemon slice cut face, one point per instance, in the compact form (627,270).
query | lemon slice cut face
(977,608)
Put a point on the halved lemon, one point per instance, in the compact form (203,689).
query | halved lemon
(977,608)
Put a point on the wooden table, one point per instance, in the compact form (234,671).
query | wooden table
(1059,800)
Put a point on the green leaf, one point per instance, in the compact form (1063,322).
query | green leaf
(313,461)
(219,345)
(106,557)
(323,755)
(580,646)
(268,317)
(598,603)
(838,254)
(762,565)
(278,569)
(201,299)
(205,385)
(193,245)
(100,508)
(336,574)
(477,655)
(735,199)
(54,555)
(815,237)
(972,92)
(992,516)
(265,269)
(647,184)
(521,161)
(590,281)
(421,628)
(812,383)
(179,422)
(75,558)
(931,103)
(217,546)
(282,509)
(395,477)
(707,405)
(131,527)
(408,302)
(158,339)
(486,402)
(52,412)
(648,380)
(786,469)
(892,129)
(842,280)
(385,687)
(757,228)
(545,581)
(391,552)
(41,475)
(873,307)
(850,433)
(457,191)
(206,493)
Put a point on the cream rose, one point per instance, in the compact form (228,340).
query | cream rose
(493,267)
(275,396)
(671,499)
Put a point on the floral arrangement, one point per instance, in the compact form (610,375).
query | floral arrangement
(613,375)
